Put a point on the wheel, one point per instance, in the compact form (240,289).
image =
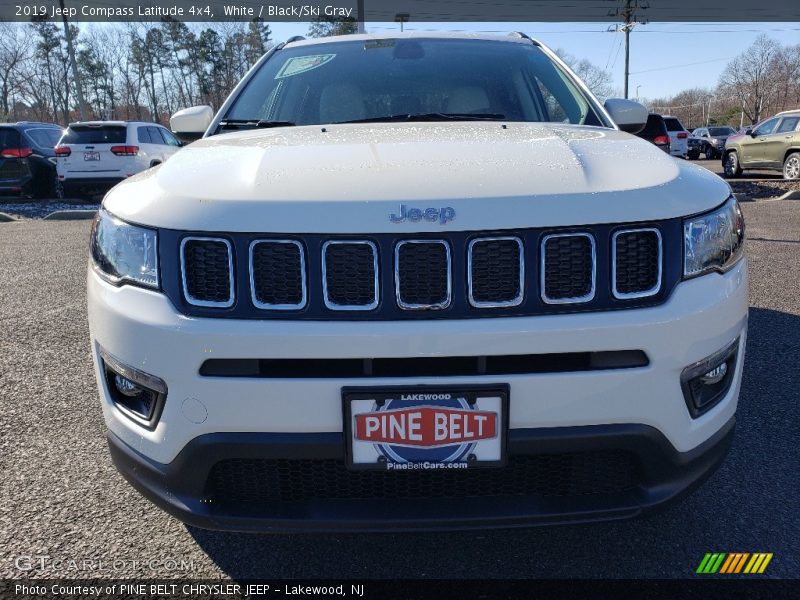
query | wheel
(791,166)
(711,154)
(731,165)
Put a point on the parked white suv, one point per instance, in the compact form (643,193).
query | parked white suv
(678,137)
(417,281)
(93,156)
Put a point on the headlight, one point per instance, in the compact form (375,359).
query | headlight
(124,252)
(713,241)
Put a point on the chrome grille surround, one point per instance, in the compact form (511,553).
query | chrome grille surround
(542,270)
(497,304)
(303,276)
(413,306)
(376,291)
(231,289)
(645,293)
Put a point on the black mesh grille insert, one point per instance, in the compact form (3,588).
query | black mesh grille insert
(495,271)
(637,266)
(278,277)
(255,481)
(350,274)
(423,274)
(207,271)
(568,265)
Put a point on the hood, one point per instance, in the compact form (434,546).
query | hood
(351,178)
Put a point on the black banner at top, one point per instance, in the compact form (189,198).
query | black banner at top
(610,11)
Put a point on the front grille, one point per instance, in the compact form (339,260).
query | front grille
(568,268)
(261,481)
(452,275)
(207,271)
(422,274)
(637,263)
(350,275)
(277,274)
(496,272)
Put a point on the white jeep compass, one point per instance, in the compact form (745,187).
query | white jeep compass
(417,281)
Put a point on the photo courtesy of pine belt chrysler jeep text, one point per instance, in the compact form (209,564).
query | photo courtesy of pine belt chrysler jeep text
(416,281)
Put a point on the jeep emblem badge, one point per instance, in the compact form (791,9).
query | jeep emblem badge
(442,215)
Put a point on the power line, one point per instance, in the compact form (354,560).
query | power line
(701,62)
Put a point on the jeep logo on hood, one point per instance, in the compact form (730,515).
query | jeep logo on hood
(442,215)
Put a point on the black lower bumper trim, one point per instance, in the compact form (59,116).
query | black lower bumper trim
(180,487)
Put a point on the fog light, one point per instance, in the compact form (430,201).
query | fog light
(138,395)
(126,387)
(705,383)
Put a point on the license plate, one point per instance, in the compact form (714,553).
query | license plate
(91,156)
(425,427)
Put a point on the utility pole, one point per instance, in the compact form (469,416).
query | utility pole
(75,74)
(361,26)
(628,15)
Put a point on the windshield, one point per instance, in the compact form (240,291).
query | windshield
(715,131)
(95,134)
(379,79)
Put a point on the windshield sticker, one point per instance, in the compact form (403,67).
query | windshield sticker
(301,64)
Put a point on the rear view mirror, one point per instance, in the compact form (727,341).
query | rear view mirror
(629,116)
(191,123)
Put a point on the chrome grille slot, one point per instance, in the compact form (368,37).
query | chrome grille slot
(422,274)
(207,271)
(496,272)
(278,274)
(350,275)
(636,263)
(568,268)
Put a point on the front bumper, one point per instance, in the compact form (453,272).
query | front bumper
(567,416)
(660,475)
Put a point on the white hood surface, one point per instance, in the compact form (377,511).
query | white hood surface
(350,178)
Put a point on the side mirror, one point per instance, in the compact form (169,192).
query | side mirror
(629,116)
(190,124)
(750,132)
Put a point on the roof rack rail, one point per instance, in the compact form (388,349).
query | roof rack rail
(524,36)
(295,38)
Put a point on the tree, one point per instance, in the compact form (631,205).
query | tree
(328,26)
(748,77)
(598,80)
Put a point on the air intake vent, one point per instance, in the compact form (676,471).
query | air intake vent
(568,268)
(350,275)
(636,263)
(422,274)
(496,272)
(278,274)
(207,265)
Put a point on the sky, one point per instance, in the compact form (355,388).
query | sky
(666,58)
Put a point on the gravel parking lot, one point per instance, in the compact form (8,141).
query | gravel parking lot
(62,498)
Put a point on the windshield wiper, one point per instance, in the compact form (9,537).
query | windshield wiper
(253,124)
(432,117)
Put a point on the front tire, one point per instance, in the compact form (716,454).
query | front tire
(791,166)
(731,165)
(711,154)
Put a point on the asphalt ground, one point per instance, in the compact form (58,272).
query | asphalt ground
(61,498)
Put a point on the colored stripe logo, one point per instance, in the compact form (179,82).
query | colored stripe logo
(731,563)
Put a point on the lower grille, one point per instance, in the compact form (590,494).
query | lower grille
(207,271)
(422,274)
(637,263)
(568,269)
(257,481)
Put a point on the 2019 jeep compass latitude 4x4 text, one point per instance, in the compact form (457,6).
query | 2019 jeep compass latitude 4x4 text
(416,281)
